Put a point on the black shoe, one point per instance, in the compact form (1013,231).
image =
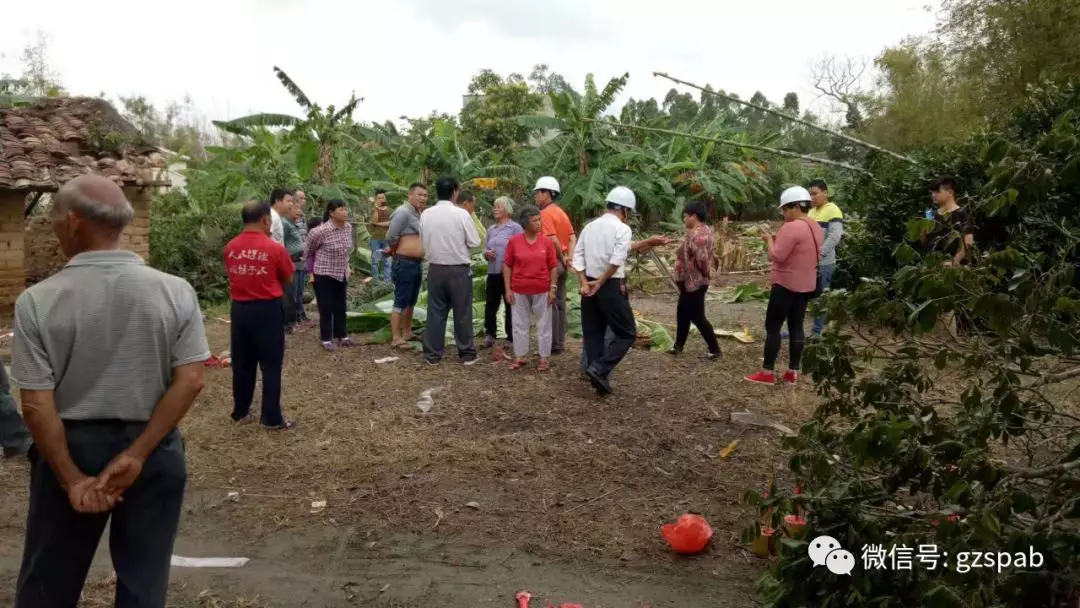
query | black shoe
(675,350)
(714,356)
(600,383)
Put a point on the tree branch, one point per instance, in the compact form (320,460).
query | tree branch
(786,116)
(1064,467)
(1055,378)
(737,144)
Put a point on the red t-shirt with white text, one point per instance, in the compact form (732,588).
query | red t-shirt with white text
(257,267)
(530,264)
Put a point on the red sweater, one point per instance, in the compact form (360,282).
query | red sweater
(530,264)
(795,254)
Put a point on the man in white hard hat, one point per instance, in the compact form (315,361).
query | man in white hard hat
(636,247)
(556,226)
(599,260)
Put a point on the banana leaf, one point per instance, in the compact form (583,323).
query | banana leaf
(361,260)
(661,337)
(374,317)
(747,292)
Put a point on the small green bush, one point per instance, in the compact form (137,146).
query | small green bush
(189,244)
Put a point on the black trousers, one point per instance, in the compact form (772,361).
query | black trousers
(691,309)
(258,342)
(789,306)
(288,304)
(330,296)
(449,288)
(496,291)
(60,543)
(608,307)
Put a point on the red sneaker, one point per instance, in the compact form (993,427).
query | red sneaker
(791,376)
(762,377)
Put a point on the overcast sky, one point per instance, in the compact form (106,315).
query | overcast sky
(410,57)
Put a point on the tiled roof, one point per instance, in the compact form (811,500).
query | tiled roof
(50,141)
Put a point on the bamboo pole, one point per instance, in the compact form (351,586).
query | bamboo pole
(728,142)
(664,269)
(787,116)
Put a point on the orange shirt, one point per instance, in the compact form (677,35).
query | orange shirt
(556,223)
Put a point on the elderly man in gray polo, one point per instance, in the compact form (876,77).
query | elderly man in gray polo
(108,355)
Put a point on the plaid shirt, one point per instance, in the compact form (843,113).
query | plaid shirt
(693,259)
(331,247)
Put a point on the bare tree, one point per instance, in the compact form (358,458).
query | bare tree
(840,79)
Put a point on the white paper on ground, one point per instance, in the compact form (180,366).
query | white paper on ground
(208,562)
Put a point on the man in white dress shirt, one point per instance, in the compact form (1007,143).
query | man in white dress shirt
(448,233)
(599,259)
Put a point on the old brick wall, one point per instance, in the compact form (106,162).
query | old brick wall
(137,236)
(12,242)
(43,257)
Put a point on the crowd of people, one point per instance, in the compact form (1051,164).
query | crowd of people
(529,255)
(101,432)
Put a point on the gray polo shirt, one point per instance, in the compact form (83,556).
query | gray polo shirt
(104,334)
(404,220)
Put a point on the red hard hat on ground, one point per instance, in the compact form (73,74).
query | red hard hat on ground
(689,535)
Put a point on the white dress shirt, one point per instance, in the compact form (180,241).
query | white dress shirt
(277,231)
(605,240)
(448,233)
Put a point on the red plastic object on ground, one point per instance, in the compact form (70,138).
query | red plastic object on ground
(689,535)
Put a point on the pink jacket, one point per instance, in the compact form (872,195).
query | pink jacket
(794,255)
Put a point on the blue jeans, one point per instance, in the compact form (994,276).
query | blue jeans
(299,286)
(14,436)
(379,258)
(825,272)
(408,275)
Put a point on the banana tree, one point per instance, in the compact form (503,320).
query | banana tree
(315,135)
(573,154)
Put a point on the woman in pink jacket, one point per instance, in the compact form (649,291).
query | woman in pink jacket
(794,253)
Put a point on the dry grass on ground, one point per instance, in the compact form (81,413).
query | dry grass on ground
(532,460)
(542,461)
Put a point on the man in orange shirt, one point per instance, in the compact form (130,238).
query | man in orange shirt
(556,226)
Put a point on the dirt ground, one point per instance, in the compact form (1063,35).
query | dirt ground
(514,480)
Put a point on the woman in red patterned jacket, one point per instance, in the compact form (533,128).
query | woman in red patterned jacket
(693,268)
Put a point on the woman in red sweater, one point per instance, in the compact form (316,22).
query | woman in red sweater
(794,253)
(529,273)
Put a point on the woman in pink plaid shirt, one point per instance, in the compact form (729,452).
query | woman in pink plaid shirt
(329,248)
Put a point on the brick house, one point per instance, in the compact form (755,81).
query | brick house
(43,144)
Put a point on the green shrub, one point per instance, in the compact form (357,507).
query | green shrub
(190,244)
(967,445)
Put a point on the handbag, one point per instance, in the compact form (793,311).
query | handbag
(818,287)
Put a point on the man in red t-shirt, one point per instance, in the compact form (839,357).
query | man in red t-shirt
(259,272)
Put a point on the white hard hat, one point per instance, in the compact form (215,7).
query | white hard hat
(794,194)
(547,183)
(623,197)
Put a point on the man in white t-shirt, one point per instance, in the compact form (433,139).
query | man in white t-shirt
(281,204)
